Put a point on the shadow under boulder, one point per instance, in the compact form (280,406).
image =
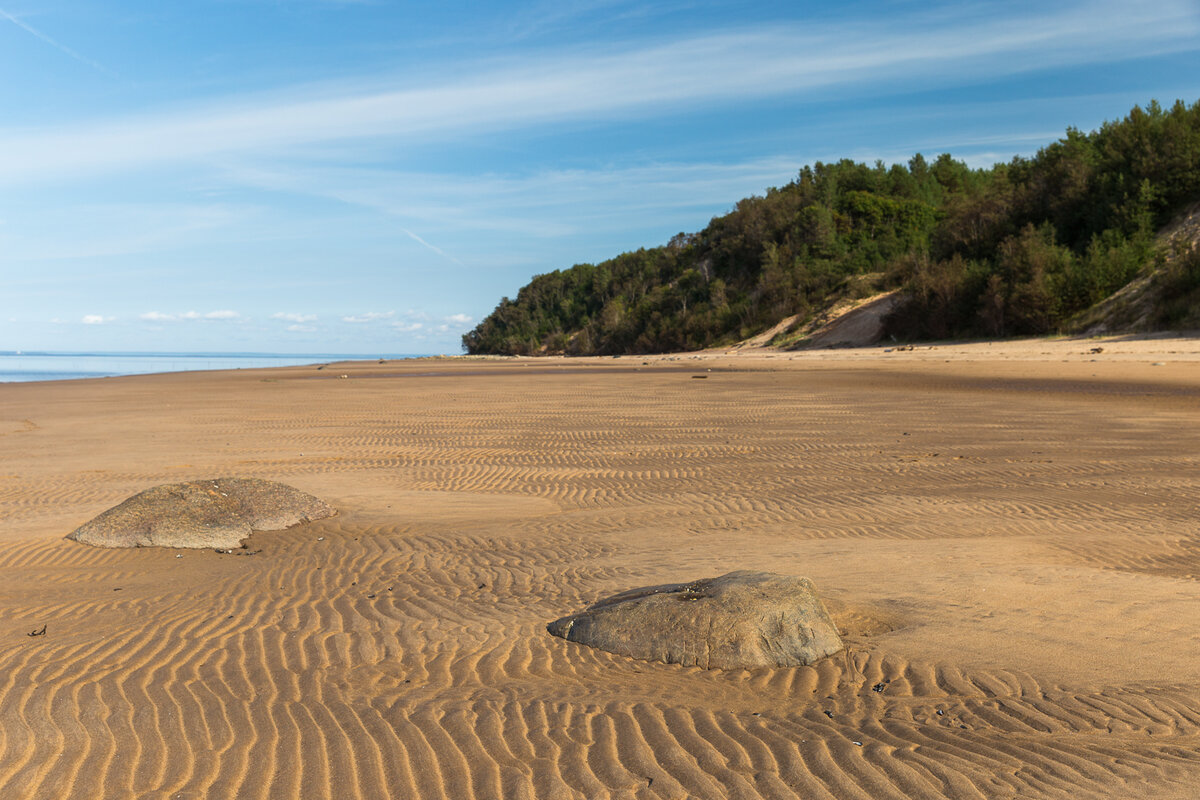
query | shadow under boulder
(220,513)
(739,620)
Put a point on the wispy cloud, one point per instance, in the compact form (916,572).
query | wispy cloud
(632,80)
(370,316)
(554,15)
(545,204)
(88,229)
(211,316)
(422,322)
(297,318)
(25,26)
(96,319)
(426,244)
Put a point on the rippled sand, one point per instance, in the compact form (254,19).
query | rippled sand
(1009,536)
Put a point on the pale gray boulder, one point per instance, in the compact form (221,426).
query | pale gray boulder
(742,619)
(219,513)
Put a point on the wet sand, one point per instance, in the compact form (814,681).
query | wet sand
(1008,535)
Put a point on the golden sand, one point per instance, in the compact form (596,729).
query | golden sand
(1008,535)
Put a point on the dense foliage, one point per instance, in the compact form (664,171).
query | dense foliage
(1014,249)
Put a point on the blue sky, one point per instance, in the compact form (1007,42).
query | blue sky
(372,177)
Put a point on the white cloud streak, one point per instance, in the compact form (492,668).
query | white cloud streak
(296,318)
(96,319)
(370,316)
(434,248)
(211,316)
(552,15)
(547,204)
(25,26)
(656,79)
(67,231)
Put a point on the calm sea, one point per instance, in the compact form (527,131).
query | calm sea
(47,366)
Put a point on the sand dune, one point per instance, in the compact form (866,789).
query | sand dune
(1007,537)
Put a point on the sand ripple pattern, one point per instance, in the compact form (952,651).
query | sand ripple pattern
(379,655)
(417,666)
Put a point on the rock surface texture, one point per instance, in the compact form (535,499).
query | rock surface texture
(219,513)
(742,619)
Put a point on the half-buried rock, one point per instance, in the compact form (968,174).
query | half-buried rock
(742,619)
(218,513)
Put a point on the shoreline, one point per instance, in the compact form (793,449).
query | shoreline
(1167,347)
(32,366)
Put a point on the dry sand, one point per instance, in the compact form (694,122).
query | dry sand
(1008,535)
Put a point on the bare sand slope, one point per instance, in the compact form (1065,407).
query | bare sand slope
(1011,545)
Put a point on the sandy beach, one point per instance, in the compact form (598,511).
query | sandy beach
(1007,535)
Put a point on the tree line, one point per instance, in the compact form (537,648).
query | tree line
(1015,249)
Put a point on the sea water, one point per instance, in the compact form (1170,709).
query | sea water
(55,366)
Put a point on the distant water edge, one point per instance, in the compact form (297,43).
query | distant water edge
(17,366)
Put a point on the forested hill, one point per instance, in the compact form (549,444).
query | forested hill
(1020,248)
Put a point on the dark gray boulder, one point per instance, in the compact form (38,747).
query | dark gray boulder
(219,513)
(742,619)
